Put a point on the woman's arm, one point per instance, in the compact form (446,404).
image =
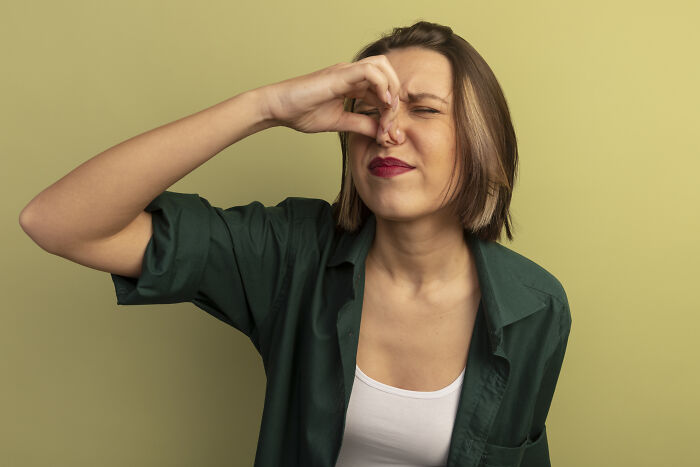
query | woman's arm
(106,194)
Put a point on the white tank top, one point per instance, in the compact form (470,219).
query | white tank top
(389,426)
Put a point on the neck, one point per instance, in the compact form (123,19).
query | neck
(421,255)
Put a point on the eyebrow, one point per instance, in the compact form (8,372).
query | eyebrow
(415,97)
(424,95)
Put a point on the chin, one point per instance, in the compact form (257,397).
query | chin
(394,210)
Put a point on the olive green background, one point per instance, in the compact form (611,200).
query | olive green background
(604,98)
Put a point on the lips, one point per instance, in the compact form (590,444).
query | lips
(388,162)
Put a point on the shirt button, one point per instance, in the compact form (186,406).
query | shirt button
(351,334)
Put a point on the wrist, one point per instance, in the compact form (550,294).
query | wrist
(263,98)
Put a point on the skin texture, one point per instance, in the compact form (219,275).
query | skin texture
(419,246)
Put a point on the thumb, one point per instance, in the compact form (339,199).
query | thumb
(358,123)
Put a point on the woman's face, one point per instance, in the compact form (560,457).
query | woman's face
(428,140)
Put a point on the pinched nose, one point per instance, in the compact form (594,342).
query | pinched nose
(389,131)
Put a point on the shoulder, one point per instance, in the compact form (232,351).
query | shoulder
(309,209)
(533,274)
(308,216)
(310,221)
(289,212)
(529,272)
(535,277)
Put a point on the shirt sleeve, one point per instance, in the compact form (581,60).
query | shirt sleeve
(537,452)
(229,262)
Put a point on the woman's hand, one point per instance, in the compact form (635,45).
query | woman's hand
(314,103)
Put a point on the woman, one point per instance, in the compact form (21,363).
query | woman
(393,329)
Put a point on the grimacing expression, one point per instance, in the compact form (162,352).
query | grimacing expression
(428,143)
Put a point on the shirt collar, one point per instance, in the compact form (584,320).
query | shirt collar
(505,296)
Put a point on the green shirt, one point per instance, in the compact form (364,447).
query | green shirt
(286,278)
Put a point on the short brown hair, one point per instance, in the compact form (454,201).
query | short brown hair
(486,142)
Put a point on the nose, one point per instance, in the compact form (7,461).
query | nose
(395,135)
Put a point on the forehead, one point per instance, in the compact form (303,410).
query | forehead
(423,74)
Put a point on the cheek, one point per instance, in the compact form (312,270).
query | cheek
(357,148)
(357,142)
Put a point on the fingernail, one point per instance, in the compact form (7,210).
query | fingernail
(395,104)
(388,97)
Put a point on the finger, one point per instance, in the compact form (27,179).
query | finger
(381,136)
(385,113)
(387,117)
(393,82)
(358,123)
(380,86)
(375,109)
(377,75)
(365,80)
(370,80)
